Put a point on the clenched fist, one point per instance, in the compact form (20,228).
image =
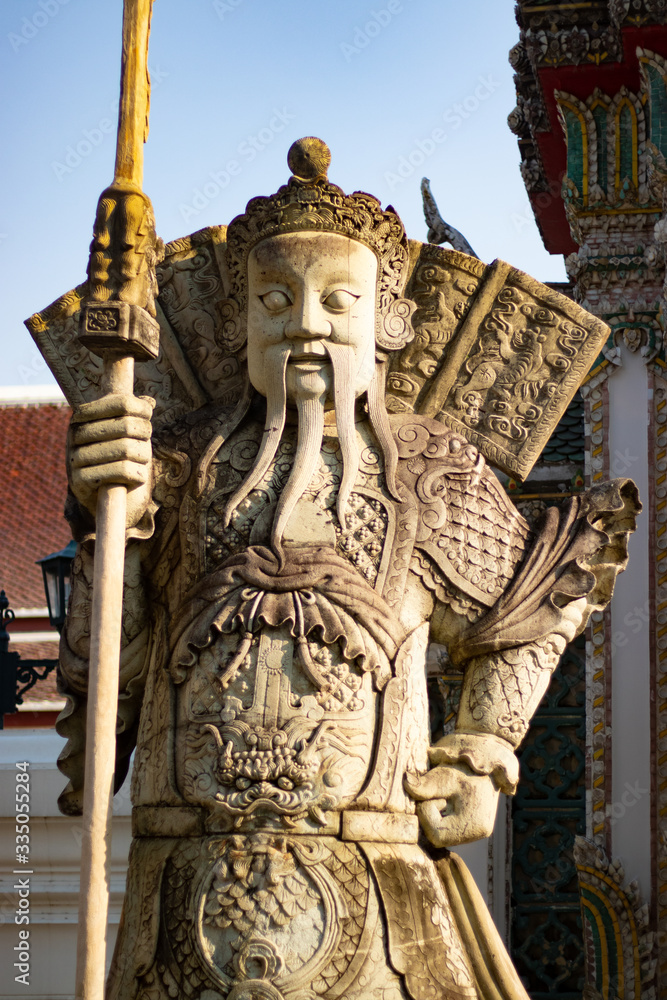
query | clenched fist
(454,805)
(110,444)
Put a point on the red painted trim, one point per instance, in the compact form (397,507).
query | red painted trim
(580,81)
(31,720)
(19,625)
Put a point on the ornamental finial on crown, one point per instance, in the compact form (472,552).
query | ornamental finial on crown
(309,159)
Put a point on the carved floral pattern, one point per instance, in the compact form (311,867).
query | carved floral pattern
(443,285)
(496,355)
(527,354)
(467,526)
(287,912)
(501,691)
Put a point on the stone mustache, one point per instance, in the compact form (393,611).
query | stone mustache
(312,508)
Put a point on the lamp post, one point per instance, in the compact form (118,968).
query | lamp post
(56,570)
(18,675)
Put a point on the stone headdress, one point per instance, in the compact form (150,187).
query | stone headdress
(310,203)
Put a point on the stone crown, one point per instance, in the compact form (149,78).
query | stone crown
(310,203)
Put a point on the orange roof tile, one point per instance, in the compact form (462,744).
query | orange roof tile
(33,487)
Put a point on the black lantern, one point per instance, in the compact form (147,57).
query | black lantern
(57,569)
(18,675)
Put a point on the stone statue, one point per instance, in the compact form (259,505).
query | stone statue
(313,508)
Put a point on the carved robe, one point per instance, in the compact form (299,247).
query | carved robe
(276,707)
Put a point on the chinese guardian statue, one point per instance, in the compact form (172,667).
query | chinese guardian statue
(312,502)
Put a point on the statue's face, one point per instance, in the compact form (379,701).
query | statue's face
(305,289)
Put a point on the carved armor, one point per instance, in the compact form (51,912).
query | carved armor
(284,705)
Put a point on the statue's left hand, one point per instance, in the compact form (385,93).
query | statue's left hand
(454,805)
(110,444)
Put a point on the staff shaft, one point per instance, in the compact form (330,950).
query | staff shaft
(134,93)
(105,643)
(107,606)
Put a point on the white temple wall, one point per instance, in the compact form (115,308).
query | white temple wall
(53,871)
(630,634)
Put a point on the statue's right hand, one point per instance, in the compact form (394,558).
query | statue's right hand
(110,444)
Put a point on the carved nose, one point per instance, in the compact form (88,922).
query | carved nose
(308,322)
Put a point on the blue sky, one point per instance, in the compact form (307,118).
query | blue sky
(397,88)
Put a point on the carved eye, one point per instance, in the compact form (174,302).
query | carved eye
(340,300)
(275,301)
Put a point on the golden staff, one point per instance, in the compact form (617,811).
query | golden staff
(117,323)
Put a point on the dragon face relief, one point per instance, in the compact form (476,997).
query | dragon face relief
(291,734)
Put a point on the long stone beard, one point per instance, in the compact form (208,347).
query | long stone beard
(310,404)
(276,404)
(310,413)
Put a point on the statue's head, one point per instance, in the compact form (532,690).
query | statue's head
(317,280)
(335,262)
